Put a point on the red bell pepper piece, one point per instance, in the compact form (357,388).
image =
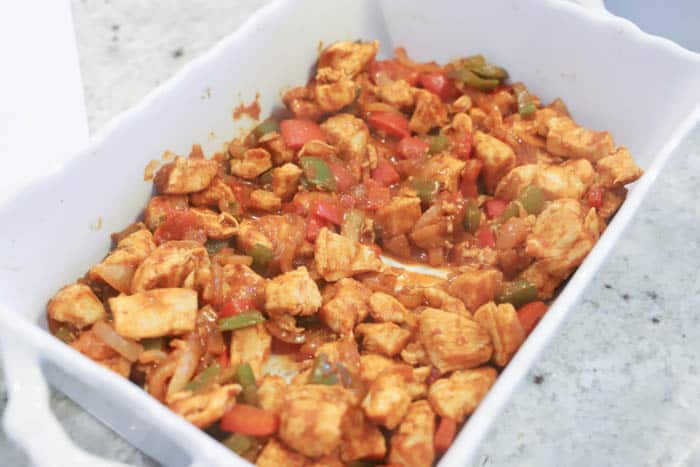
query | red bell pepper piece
(296,132)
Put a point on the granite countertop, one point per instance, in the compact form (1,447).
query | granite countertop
(620,384)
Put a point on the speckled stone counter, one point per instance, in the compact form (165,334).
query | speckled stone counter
(619,386)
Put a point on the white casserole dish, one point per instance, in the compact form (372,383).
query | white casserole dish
(641,88)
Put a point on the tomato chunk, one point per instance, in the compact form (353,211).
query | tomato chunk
(236,306)
(529,315)
(314,224)
(327,210)
(385,173)
(393,124)
(439,84)
(376,195)
(462,145)
(296,132)
(250,420)
(179,225)
(392,70)
(412,148)
(595,197)
(445,434)
(470,174)
(343,177)
(484,237)
(495,207)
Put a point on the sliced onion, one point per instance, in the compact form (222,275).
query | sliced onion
(186,365)
(158,378)
(284,335)
(124,347)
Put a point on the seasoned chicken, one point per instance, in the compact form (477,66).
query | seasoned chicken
(160,206)
(118,268)
(183,176)
(345,303)
(217,195)
(476,286)
(429,113)
(285,180)
(251,345)
(372,365)
(344,59)
(457,396)
(387,400)
(361,439)
(498,158)
(384,308)
(503,325)
(97,350)
(334,96)
(169,265)
(566,139)
(337,256)
(276,454)
(617,169)
(218,226)
(412,443)
(397,93)
(293,293)
(399,216)
(271,393)
(350,135)
(252,163)
(76,304)
(264,200)
(154,313)
(452,341)
(384,338)
(438,298)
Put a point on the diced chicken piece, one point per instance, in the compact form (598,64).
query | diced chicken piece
(204,409)
(344,59)
(342,351)
(250,235)
(216,195)
(503,325)
(279,151)
(444,169)
(76,304)
(461,124)
(95,348)
(459,395)
(385,308)
(183,176)
(497,156)
(414,354)
(311,418)
(276,454)
(568,180)
(333,97)
(271,393)
(160,206)
(430,112)
(412,443)
(251,345)
(301,101)
(372,365)
(253,163)
(293,293)
(461,104)
(331,460)
(397,93)
(476,286)
(618,169)
(417,387)
(265,200)
(566,139)
(338,257)
(515,181)
(218,226)
(285,180)
(118,268)
(169,265)
(239,281)
(475,257)
(346,305)
(384,338)
(438,298)
(452,341)
(399,216)
(398,246)
(154,313)
(361,439)
(350,136)
(387,400)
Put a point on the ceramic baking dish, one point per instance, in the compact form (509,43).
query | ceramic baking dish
(642,88)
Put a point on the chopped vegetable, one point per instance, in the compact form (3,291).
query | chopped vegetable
(376,195)
(438,143)
(412,148)
(352,224)
(512,210)
(314,224)
(262,256)
(241,444)
(529,315)
(123,346)
(267,126)
(595,197)
(393,124)
(297,132)
(517,293)
(439,84)
(241,320)
(485,237)
(328,210)
(236,306)
(495,207)
(213,246)
(65,334)
(344,179)
(487,70)
(426,189)
(471,79)
(445,434)
(470,174)
(462,145)
(472,217)
(265,178)
(385,173)
(532,199)
(525,105)
(208,376)
(318,173)
(323,371)
(246,378)
(153,343)
(249,420)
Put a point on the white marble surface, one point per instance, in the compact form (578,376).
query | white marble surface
(620,385)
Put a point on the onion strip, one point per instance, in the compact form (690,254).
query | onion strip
(124,347)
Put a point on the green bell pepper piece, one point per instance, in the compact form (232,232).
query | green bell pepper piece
(318,173)
(241,320)
(518,293)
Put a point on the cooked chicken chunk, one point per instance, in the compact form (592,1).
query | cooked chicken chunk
(452,341)
(397,93)
(385,308)
(429,113)
(311,418)
(503,325)
(217,226)
(343,351)
(251,345)
(350,135)
(253,163)
(344,59)
(276,454)
(414,353)
(444,169)
(271,393)
(160,206)
(293,293)
(459,395)
(216,195)
(76,304)
(476,286)
(568,180)
(498,158)
(97,350)
(618,169)
(265,200)
(399,216)
(384,338)
(387,400)
(333,97)
(337,256)
(285,180)
(345,305)
(204,409)
(183,176)
(361,439)
(412,444)
(372,365)
(169,265)
(515,181)
(566,139)
(119,267)
(154,313)
(438,298)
